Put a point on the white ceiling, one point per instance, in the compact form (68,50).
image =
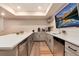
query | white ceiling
(29,10)
(28,7)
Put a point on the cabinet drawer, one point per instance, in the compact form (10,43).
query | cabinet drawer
(69,53)
(71,47)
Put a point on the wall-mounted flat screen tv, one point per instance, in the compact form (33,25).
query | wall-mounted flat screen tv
(68,16)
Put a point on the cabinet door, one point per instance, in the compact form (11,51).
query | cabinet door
(72,48)
(50,42)
(42,36)
(29,44)
(9,52)
(29,48)
(36,36)
(23,49)
(39,36)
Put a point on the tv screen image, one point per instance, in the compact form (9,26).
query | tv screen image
(67,17)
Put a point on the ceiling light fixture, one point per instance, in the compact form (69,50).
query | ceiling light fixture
(39,7)
(18,7)
(2,13)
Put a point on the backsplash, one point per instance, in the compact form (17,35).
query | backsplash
(16,25)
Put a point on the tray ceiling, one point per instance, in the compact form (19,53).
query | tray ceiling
(27,9)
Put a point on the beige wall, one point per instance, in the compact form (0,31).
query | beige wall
(1,24)
(15,25)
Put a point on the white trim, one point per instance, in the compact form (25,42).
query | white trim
(48,8)
(8,9)
(30,14)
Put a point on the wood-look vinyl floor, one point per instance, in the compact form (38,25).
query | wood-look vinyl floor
(41,49)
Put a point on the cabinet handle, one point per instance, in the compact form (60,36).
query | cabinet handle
(72,48)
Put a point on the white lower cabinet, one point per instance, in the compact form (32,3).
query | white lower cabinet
(69,53)
(50,42)
(20,50)
(30,44)
(13,52)
(39,36)
(29,47)
(71,49)
(36,36)
(43,36)
(23,49)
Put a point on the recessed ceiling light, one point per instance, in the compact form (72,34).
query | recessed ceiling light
(39,7)
(2,13)
(18,7)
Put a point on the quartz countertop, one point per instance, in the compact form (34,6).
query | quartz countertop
(12,40)
(72,37)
